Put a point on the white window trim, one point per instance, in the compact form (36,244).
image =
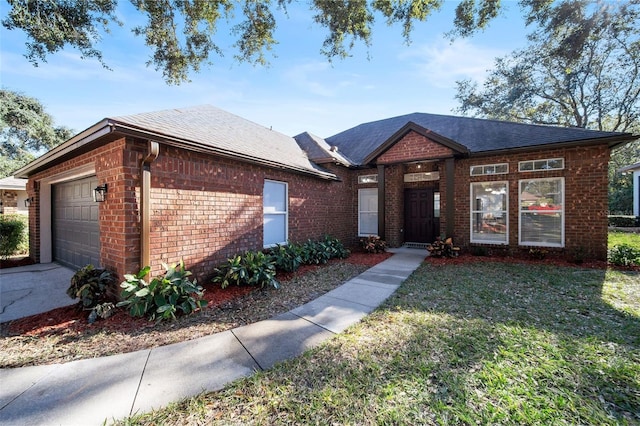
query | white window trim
(472,210)
(285,213)
(520,163)
(484,173)
(562,216)
(360,234)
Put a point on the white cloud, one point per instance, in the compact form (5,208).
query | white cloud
(442,63)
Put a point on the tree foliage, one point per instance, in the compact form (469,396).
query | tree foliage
(182,33)
(581,68)
(25,130)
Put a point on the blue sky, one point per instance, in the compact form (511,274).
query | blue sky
(299,91)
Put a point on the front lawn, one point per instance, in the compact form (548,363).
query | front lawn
(617,238)
(481,342)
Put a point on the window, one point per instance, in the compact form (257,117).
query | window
(537,165)
(368,179)
(276,213)
(436,204)
(542,212)
(489,218)
(368,211)
(490,169)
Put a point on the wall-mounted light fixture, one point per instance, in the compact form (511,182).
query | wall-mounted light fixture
(100,193)
(28,201)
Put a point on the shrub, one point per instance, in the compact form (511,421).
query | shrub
(162,298)
(251,268)
(335,248)
(373,244)
(12,235)
(287,258)
(315,253)
(444,248)
(96,289)
(624,255)
(623,221)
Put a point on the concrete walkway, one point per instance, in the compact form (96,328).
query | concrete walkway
(88,392)
(30,290)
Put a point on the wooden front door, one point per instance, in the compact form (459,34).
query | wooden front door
(418,216)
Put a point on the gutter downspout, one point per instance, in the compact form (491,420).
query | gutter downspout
(145,203)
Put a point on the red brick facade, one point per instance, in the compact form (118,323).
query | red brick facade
(206,208)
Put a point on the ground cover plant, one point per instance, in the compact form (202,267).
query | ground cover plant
(624,248)
(473,342)
(64,334)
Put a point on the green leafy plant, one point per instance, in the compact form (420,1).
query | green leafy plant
(162,298)
(373,244)
(287,258)
(251,268)
(624,255)
(335,248)
(315,253)
(11,235)
(96,290)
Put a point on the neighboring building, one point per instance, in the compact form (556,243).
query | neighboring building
(635,170)
(203,184)
(13,196)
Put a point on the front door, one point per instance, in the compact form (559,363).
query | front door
(418,216)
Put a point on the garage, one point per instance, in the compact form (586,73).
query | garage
(75,227)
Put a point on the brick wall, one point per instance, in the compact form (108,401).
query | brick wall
(205,209)
(586,196)
(412,147)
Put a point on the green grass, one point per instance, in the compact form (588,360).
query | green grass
(617,238)
(479,343)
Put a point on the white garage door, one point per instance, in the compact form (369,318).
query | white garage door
(76,234)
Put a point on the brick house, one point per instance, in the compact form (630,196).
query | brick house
(203,184)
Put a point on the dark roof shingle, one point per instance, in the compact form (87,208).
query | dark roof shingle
(477,135)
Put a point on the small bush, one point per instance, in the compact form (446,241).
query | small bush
(624,221)
(335,248)
(287,258)
(162,298)
(538,253)
(12,235)
(624,255)
(95,288)
(251,268)
(373,244)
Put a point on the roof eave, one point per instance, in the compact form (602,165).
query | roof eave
(611,141)
(194,146)
(91,134)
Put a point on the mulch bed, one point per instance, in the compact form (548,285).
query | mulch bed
(70,319)
(15,261)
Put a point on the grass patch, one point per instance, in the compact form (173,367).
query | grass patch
(617,238)
(477,343)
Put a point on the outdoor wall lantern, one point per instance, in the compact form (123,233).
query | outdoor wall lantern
(28,201)
(100,193)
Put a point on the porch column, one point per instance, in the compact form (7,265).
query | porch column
(381,211)
(450,212)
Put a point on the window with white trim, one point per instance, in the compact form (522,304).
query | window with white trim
(367,212)
(541,165)
(490,169)
(436,204)
(489,213)
(541,212)
(275,203)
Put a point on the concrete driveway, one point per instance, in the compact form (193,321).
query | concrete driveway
(33,289)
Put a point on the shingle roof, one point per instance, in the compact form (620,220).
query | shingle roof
(11,182)
(477,135)
(210,127)
(318,150)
